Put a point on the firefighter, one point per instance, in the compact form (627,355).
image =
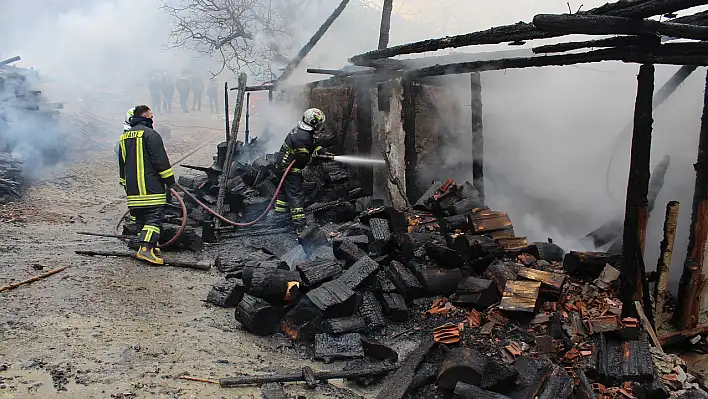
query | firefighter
(146,170)
(300,146)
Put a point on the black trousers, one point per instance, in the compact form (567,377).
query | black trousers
(213,104)
(197,101)
(156,102)
(149,221)
(292,197)
(184,100)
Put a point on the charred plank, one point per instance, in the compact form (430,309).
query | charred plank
(334,299)
(370,310)
(619,361)
(346,346)
(380,235)
(558,385)
(404,280)
(315,273)
(348,251)
(394,306)
(520,296)
(395,385)
(344,325)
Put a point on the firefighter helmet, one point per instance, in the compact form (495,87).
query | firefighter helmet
(312,120)
(128,116)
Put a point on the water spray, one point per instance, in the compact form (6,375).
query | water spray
(356,160)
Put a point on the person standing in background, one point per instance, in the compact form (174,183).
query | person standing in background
(197,92)
(168,90)
(155,92)
(183,87)
(213,94)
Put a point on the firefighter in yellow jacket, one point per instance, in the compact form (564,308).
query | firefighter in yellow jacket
(145,171)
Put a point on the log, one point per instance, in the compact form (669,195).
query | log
(275,286)
(379,236)
(438,281)
(385,24)
(302,322)
(394,306)
(558,385)
(475,292)
(606,25)
(257,316)
(500,273)
(446,257)
(334,299)
(348,251)
(552,281)
(201,265)
(547,251)
(370,310)
(315,273)
(455,224)
(467,391)
(633,283)
(329,348)
(395,385)
(664,263)
(692,284)
(344,325)
(471,247)
(232,382)
(404,280)
(295,62)
(679,336)
(520,296)
(230,147)
(32,279)
(617,41)
(461,365)
(358,272)
(248,272)
(227,293)
(588,264)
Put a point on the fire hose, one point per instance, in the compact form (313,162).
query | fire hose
(211,211)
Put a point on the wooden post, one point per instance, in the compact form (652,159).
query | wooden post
(385,24)
(226,111)
(409,131)
(231,145)
(477,135)
(634,286)
(693,280)
(664,263)
(248,116)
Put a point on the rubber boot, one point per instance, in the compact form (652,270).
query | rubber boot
(149,253)
(300,229)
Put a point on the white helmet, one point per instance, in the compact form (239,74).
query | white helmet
(126,122)
(312,120)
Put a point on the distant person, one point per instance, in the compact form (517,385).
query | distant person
(197,92)
(146,170)
(155,87)
(168,91)
(213,94)
(183,87)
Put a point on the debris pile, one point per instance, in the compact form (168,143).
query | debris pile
(470,307)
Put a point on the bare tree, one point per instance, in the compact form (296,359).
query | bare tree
(249,34)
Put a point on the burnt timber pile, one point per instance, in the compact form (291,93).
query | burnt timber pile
(439,287)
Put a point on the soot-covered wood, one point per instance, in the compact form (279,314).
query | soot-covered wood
(341,347)
(257,315)
(404,280)
(227,293)
(334,299)
(467,391)
(370,310)
(315,273)
(348,251)
(436,280)
(475,292)
(589,264)
(461,365)
(394,306)
(395,385)
(364,268)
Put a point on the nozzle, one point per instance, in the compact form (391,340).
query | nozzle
(326,157)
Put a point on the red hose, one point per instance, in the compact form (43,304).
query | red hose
(181,227)
(229,222)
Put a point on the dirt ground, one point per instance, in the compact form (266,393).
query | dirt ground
(112,327)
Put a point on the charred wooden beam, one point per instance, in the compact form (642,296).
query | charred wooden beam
(684,335)
(477,135)
(461,365)
(348,251)
(700,18)
(618,41)
(438,281)
(404,280)
(385,30)
(394,306)
(664,263)
(558,385)
(333,72)
(408,118)
(370,310)
(500,273)
(343,325)
(672,53)
(606,25)
(633,285)
(692,282)
(395,385)
(315,273)
(447,257)
(619,361)
(379,236)
(553,281)
(232,382)
(295,62)
(547,251)
(523,31)
(257,316)
(199,265)
(334,299)
(255,88)
(10,60)
(231,147)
